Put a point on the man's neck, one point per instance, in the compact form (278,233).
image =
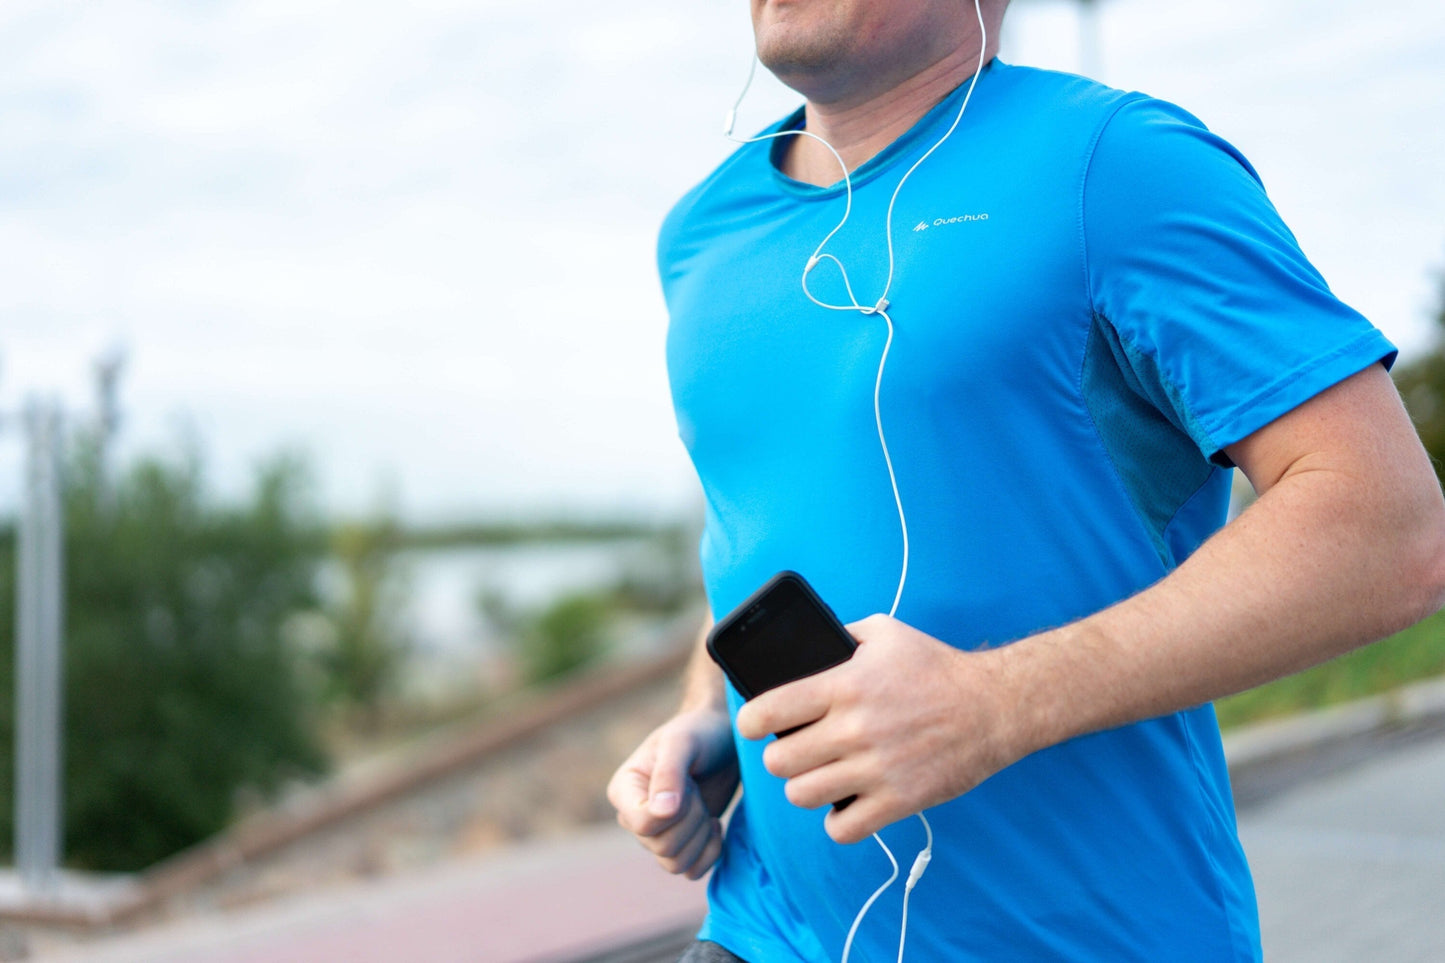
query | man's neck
(860,128)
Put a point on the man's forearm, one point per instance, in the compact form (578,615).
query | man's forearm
(1325,561)
(702,686)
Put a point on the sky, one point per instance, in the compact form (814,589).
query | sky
(415,240)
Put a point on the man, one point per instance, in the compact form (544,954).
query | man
(1097,314)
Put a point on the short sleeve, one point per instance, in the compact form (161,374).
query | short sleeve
(1223,321)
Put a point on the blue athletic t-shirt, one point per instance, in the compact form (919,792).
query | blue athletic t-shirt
(1093,298)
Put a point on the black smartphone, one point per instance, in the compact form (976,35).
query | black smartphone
(783,632)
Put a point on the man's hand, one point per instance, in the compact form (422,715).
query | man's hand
(907,723)
(672,789)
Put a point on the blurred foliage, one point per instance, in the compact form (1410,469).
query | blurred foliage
(179,691)
(579,628)
(670,583)
(565,636)
(532,533)
(1414,654)
(1422,385)
(368,644)
(209,647)
(555,640)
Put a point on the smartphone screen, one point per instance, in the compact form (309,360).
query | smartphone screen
(782,633)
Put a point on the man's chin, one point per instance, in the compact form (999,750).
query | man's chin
(803,62)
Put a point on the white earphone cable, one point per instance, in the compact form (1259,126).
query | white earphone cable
(880,307)
(858,920)
(920,863)
(888,460)
(967,96)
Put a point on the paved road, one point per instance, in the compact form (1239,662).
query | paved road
(553,901)
(1349,865)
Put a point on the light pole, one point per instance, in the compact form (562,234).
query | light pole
(108,369)
(39,629)
(1091,47)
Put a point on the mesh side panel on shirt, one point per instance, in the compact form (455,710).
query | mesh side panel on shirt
(1157,461)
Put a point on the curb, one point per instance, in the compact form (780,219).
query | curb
(1262,743)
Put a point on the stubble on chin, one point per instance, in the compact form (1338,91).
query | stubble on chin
(797,45)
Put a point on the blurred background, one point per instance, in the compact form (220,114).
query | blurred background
(338,471)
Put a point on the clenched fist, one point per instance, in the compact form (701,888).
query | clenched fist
(672,789)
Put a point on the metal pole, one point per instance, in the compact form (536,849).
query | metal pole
(39,628)
(1091,57)
(108,369)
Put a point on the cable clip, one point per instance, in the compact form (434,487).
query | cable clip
(919,865)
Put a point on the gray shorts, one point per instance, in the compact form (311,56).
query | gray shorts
(706,951)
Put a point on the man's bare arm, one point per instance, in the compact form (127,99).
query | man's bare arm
(702,684)
(1345,545)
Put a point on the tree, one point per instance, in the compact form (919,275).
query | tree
(565,636)
(1422,385)
(577,629)
(369,643)
(179,690)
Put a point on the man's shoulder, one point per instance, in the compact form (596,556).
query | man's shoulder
(1036,94)
(674,224)
(1120,133)
(1033,93)
(744,168)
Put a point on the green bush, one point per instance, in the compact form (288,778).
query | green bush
(369,645)
(179,689)
(1422,385)
(1409,656)
(578,628)
(565,636)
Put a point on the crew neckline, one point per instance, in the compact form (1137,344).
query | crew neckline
(936,116)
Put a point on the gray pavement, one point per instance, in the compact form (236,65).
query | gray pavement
(561,899)
(1351,866)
